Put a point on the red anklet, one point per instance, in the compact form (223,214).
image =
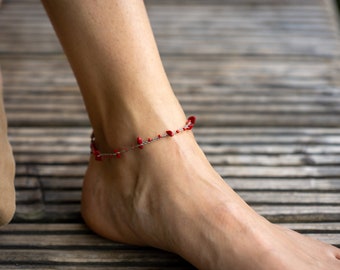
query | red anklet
(140,142)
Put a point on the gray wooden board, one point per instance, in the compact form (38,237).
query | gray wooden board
(243,91)
(256,35)
(262,77)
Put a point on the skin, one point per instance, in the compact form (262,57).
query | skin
(166,195)
(7,169)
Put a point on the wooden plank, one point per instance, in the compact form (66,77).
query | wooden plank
(50,119)
(280,213)
(242,39)
(83,241)
(64,245)
(234,2)
(41,242)
(300,100)
(222,159)
(79,228)
(313,227)
(293,141)
(285,118)
(269,149)
(83,266)
(252,197)
(226,171)
(310,77)
(266,93)
(294,146)
(90,257)
(49,228)
(246,43)
(278,171)
(239,184)
(286,184)
(48,266)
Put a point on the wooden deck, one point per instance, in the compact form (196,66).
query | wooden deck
(262,76)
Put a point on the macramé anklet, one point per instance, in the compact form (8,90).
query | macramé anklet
(140,142)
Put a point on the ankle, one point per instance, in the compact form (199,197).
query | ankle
(123,131)
(140,142)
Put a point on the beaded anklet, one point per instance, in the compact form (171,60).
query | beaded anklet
(140,142)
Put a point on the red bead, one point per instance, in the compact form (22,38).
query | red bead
(97,155)
(190,123)
(170,133)
(159,136)
(192,120)
(118,154)
(178,131)
(149,139)
(93,147)
(140,142)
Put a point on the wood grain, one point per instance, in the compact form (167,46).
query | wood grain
(260,75)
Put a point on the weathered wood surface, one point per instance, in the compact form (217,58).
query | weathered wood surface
(262,77)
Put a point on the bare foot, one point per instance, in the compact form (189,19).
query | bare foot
(168,196)
(7,169)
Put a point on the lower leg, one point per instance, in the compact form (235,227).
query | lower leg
(114,56)
(7,169)
(166,195)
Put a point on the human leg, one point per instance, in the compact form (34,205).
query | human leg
(7,169)
(166,195)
